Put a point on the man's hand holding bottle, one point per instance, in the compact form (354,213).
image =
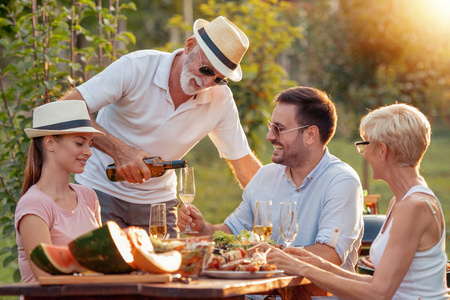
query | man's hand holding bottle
(129,165)
(136,166)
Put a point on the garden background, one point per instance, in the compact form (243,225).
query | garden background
(363,53)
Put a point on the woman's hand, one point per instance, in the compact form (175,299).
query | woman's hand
(283,260)
(292,260)
(304,255)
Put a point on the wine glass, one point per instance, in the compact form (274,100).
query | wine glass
(158,226)
(186,191)
(262,227)
(288,222)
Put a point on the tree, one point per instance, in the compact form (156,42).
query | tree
(370,53)
(43,61)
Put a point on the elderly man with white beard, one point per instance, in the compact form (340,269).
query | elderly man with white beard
(153,103)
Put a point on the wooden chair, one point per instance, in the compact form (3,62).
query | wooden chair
(371,204)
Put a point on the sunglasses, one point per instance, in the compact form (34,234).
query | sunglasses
(277,131)
(361,146)
(207,71)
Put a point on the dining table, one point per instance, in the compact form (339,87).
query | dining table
(169,288)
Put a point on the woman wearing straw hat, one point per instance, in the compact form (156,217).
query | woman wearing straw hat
(153,103)
(52,210)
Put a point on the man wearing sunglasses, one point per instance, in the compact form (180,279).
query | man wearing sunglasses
(327,191)
(152,103)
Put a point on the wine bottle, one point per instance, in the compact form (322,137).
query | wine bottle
(157,166)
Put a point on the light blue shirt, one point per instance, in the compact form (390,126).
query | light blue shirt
(329,206)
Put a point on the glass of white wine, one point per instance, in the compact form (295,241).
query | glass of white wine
(158,226)
(262,227)
(288,222)
(186,191)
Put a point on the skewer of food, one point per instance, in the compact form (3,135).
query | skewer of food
(233,257)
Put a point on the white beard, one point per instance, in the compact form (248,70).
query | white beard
(187,76)
(185,81)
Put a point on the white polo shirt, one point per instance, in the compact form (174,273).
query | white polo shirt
(134,104)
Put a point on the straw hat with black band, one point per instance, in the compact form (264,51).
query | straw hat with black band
(224,44)
(61,117)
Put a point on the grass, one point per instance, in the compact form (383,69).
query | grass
(218,194)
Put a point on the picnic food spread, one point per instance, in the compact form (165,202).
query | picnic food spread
(113,250)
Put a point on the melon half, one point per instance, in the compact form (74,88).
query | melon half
(144,257)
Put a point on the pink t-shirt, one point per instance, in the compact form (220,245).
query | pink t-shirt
(64,225)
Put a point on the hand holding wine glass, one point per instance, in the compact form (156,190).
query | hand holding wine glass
(262,227)
(288,222)
(158,226)
(186,191)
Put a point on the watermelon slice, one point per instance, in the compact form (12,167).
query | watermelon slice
(55,259)
(106,250)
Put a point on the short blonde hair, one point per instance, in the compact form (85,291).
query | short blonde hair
(403,128)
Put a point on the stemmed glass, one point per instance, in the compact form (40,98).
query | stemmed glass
(186,191)
(262,227)
(288,222)
(158,226)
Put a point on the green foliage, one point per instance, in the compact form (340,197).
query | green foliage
(43,61)
(367,54)
(271,28)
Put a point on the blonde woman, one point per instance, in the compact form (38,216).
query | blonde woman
(52,210)
(409,252)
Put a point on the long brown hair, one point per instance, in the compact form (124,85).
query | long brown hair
(35,160)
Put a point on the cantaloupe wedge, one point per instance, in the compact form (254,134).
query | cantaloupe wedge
(144,257)
(158,263)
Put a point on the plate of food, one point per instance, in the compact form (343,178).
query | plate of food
(240,263)
(240,274)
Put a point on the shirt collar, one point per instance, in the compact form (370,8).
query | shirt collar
(313,174)
(163,72)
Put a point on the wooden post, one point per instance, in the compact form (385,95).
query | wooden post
(188,15)
(365,179)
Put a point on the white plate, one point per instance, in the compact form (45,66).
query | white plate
(241,274)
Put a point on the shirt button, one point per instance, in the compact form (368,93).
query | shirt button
(298,190)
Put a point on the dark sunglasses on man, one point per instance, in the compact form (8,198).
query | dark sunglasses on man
(207,71)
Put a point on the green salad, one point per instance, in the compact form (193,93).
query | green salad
(223,239)
(243,240)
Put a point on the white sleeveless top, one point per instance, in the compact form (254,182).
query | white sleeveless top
(426,277)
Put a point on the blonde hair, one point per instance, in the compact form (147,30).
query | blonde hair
(403,128)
